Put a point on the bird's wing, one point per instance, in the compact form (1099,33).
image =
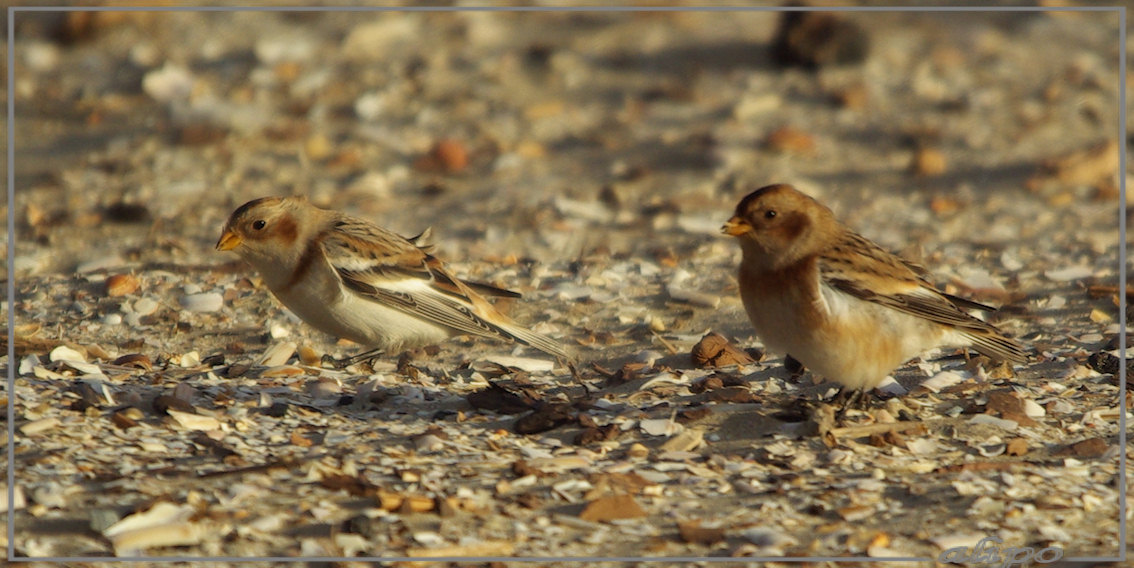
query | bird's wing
(859,267)
(388,268)
(396,272)
(864,270)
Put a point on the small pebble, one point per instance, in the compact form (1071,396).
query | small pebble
(942,380)
(660,427)
(1032,409)
(101,393)
(1010,261)
(49,495)
(854,513)
(637,450)
(171,82)
(1099,316)
(1017,447)
(428,443)
(309,356)
(278,354)
(41,57)
(686,441)
(122,421)
(28,364)
(282,371)
(890,386)
(190,359)
(132,413)
(145,306)
(761,536)
(1009,425)
(203,302)
(324,388)
(428,538)
(1068,274)
(38,426)
(184,392)
(102,519)
(790,141)
(928,162)
(691,296)
(121,285)
(64,353)
(193,421)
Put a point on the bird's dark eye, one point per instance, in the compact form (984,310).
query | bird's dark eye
(259,224)
(769,214)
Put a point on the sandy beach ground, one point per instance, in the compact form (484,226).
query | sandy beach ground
(167,405)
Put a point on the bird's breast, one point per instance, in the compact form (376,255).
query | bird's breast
(780,301)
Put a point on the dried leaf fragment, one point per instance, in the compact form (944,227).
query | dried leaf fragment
(1017,447)
(714,350)
(543,419)
(611,508)
(790,140)
(1007,405)
(1084,167)
(193,421)
(1089,448)
(136,360)
(353,484)
(485,548)
(499,399)
(693,533)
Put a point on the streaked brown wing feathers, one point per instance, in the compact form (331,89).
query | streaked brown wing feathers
(866,271)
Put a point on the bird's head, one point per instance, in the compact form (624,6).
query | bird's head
(778,225)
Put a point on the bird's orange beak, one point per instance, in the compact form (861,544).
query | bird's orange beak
(736,227)
(228,241)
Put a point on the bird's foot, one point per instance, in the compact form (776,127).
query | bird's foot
(340,364)
(846,399)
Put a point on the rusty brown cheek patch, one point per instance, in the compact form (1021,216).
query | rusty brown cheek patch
(791,227)
(287,230)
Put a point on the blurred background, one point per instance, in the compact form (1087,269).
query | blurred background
(138,132)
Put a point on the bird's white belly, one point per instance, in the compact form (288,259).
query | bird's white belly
(853,342)
(359,319)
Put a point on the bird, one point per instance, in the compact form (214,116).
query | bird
(350,278)
(824,295)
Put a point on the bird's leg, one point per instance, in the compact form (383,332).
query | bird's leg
(841,397)
(845,399)
(348,361)
(405,361)
(578,377)
(865,398)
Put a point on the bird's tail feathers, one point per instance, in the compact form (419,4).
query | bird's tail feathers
(533,339)
(998,347)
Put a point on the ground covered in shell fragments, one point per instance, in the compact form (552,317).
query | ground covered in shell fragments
(166,405)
